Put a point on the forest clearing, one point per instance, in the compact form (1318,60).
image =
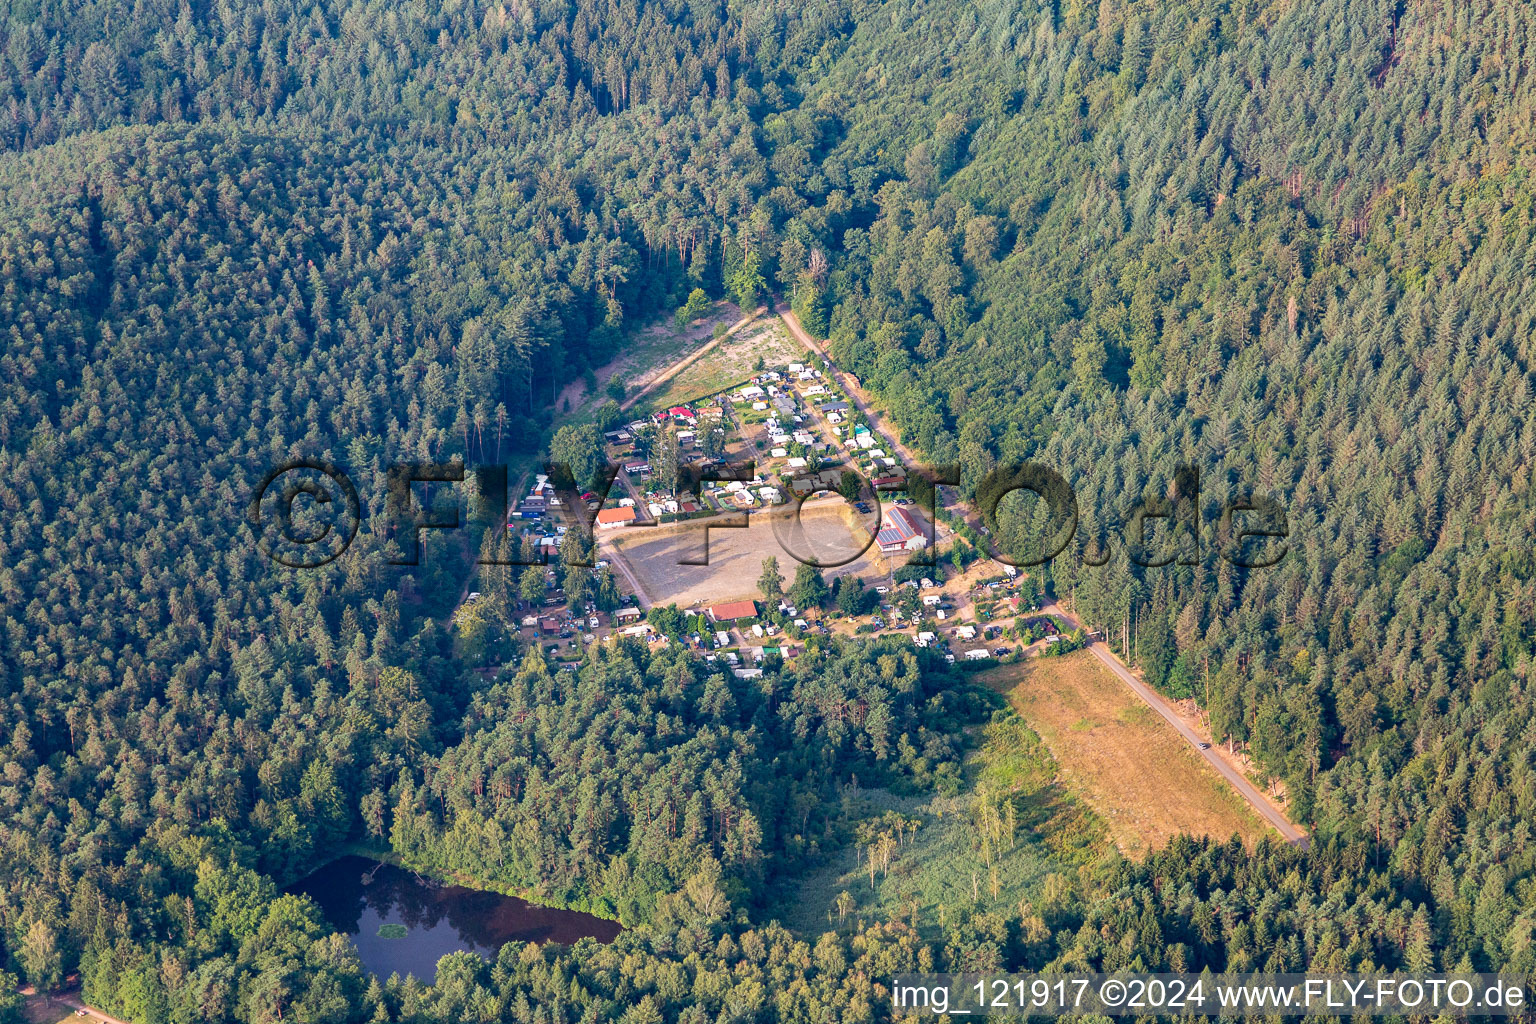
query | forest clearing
(734,360)
(648,355)
(1141,778)
(1000,839)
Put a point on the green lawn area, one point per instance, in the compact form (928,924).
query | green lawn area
(991,847)
(647,353)
(652,349)
(751,417)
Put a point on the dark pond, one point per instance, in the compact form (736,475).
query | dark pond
(438,919)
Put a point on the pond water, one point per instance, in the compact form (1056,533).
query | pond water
(363,898)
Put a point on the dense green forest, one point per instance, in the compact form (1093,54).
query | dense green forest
(1289,244)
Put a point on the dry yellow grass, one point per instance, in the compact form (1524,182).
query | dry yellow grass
(1120,756)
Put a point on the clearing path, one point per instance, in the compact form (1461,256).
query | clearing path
(688,360)
(648,352)
(1234,777)
(1138,776)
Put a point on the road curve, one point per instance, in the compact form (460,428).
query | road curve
(1236,778)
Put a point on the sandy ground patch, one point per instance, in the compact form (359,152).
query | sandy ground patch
(827,534)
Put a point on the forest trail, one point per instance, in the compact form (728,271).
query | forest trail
(1235,778)
(91,1012)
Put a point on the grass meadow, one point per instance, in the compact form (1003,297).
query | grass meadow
(992,847)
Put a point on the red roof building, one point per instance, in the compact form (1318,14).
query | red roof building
(612,517)
(732,610)
(900,531)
